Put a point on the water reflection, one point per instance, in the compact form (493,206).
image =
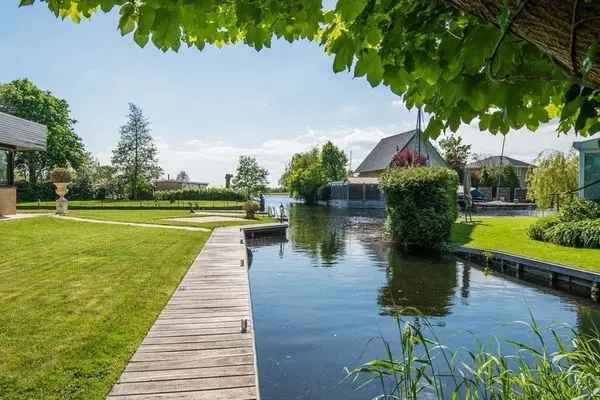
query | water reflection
(320,298)
(418,285)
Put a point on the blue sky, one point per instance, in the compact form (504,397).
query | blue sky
(207,108)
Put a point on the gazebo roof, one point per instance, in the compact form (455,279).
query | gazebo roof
(592,143)
(21,133)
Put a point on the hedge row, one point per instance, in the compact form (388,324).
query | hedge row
(421,205)
(200,194)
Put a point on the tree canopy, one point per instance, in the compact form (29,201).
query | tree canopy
(250,178)
(491,60)
(310,171)
(556,174)
(23,99)
(136,156)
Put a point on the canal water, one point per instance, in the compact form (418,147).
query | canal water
(324,296)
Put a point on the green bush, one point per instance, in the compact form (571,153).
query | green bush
(251,207)
(584,233)
(421,205)
(200,194)
(577,225)
(42,191)
(579,209)
(537,230)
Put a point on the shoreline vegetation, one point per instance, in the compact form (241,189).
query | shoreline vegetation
(565,368)
(509,234)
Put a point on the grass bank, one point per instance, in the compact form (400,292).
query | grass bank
(179,204)
(161,217)
(78,298)
(509,234)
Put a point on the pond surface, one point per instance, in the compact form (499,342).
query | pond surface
(322,297)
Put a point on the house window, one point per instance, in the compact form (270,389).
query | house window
(6,167)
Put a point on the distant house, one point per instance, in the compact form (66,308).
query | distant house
(16,134)
(170,184)
(379,159)
(522,168)
(589,167)
(362,190)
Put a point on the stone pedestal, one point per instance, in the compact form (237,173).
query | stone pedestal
(62,204)
(8,200)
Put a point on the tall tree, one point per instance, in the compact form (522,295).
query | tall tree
(136,155)
(555,173)
(455,152)
(23,99)
(491,60)
(250,178)
(305,175)
(334,162)
(182,176)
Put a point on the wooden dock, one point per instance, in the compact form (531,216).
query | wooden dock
(197,348)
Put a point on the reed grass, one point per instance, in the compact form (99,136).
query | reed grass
(425,369)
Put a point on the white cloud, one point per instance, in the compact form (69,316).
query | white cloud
(210,160)
(398,103)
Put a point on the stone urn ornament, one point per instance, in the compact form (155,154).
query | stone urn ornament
(61,177)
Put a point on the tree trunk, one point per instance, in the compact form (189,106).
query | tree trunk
(32,172)
(563,29)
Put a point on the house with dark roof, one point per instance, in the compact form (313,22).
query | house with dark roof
(362,189)
(522,168)
(379,159)
(16,134)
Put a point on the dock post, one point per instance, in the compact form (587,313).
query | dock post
(595,292)
(552,279)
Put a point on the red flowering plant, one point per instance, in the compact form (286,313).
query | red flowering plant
(407,158)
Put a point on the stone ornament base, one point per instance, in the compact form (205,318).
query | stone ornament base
(62,204)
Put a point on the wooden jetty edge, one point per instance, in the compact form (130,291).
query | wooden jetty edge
(201,347)
(562,277)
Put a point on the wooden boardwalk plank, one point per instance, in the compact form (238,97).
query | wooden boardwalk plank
(196,350)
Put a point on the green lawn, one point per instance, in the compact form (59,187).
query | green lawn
(136,204)
(76,299)
(159,217)
(509,234)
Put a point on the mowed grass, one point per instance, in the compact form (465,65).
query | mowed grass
(509,234)
(137,203)
(76,299)
(162,217)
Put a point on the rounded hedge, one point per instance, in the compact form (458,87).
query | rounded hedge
(421,205)
(576,225)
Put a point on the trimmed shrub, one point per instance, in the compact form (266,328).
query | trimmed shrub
(579,209)
(200,194)
(421,205)
(43,191)
(584,233)
(577,225)
(537,230)
(251,207)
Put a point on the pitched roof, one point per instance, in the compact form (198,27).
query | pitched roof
(21,133)
(380,157)
(494,161)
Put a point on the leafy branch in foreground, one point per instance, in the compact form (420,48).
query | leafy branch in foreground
(493,60)
(426,369)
